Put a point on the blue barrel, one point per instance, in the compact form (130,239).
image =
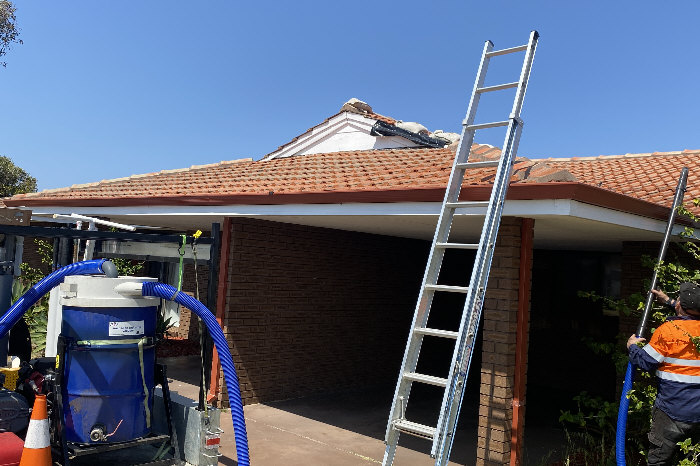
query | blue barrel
(108,376)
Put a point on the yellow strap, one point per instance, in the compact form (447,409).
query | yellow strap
(145,387)
(130,341)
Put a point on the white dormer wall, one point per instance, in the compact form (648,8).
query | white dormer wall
(344,132)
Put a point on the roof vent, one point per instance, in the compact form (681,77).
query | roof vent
(413,127)
(356,106)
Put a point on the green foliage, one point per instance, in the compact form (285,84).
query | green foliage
(9,33)
(594,420)
(163,324)
(36,317)
(14,180)
(45,251)
(127,267)
(691,451)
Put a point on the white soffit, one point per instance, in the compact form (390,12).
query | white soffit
(559,223)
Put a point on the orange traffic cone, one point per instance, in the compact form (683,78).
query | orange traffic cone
(37,446)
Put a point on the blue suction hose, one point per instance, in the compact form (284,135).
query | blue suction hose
(168,292)
(621,433)
(43,286)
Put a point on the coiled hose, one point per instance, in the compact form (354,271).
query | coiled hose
(161,290)
(43,286)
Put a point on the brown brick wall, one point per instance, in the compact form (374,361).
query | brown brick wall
(188,327)
(499,343)
(634,275)
(314,309)
(30,254)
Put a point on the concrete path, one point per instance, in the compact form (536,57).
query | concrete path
(345,429)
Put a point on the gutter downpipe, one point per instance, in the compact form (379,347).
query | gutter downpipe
(220,307)
(521,339)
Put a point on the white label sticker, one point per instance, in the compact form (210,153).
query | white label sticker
(118,329)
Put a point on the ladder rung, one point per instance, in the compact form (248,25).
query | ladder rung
(457,245)
(434,332)
(482,164)
(494,124)
(495,53)
(498,87)
(449,289)
(429,379)
(457,205)
(413,428)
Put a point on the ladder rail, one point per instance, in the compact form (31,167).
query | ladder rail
(442,230)
(455,383)
(462,355)
(525,74)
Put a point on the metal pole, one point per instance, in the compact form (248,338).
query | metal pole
(205,339)
(7,255)
(677,200)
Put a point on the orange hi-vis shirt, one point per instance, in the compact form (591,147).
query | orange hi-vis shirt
(673,349)
(676,360)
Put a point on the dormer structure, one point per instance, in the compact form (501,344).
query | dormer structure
(355,128)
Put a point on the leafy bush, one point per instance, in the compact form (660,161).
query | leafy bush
(592,426)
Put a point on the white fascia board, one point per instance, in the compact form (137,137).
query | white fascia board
(323,131)
(513,208)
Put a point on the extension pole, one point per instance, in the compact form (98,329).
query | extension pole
(621,434)
(677,200)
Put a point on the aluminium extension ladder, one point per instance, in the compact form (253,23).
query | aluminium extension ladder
(442,435)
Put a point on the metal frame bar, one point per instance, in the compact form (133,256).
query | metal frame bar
(52,232)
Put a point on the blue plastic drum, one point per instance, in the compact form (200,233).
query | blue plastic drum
(108,372)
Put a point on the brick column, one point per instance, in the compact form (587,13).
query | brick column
(500,316)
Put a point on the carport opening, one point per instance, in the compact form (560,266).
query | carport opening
(561,363)
(320,318)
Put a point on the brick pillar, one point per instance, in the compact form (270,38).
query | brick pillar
(500,316)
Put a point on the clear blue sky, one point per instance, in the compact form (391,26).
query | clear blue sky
(105,89)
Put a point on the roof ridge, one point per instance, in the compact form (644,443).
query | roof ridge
(624,156)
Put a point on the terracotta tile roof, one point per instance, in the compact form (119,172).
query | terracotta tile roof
(339,171)
(647,177)
(651,176)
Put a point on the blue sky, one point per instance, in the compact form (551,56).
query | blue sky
(105,89)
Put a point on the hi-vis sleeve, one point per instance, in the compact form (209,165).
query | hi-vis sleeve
(646,358)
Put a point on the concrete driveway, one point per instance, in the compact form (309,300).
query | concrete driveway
(339,429)
(347,428)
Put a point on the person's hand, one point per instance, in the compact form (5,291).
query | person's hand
(633,340)
(660,295)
